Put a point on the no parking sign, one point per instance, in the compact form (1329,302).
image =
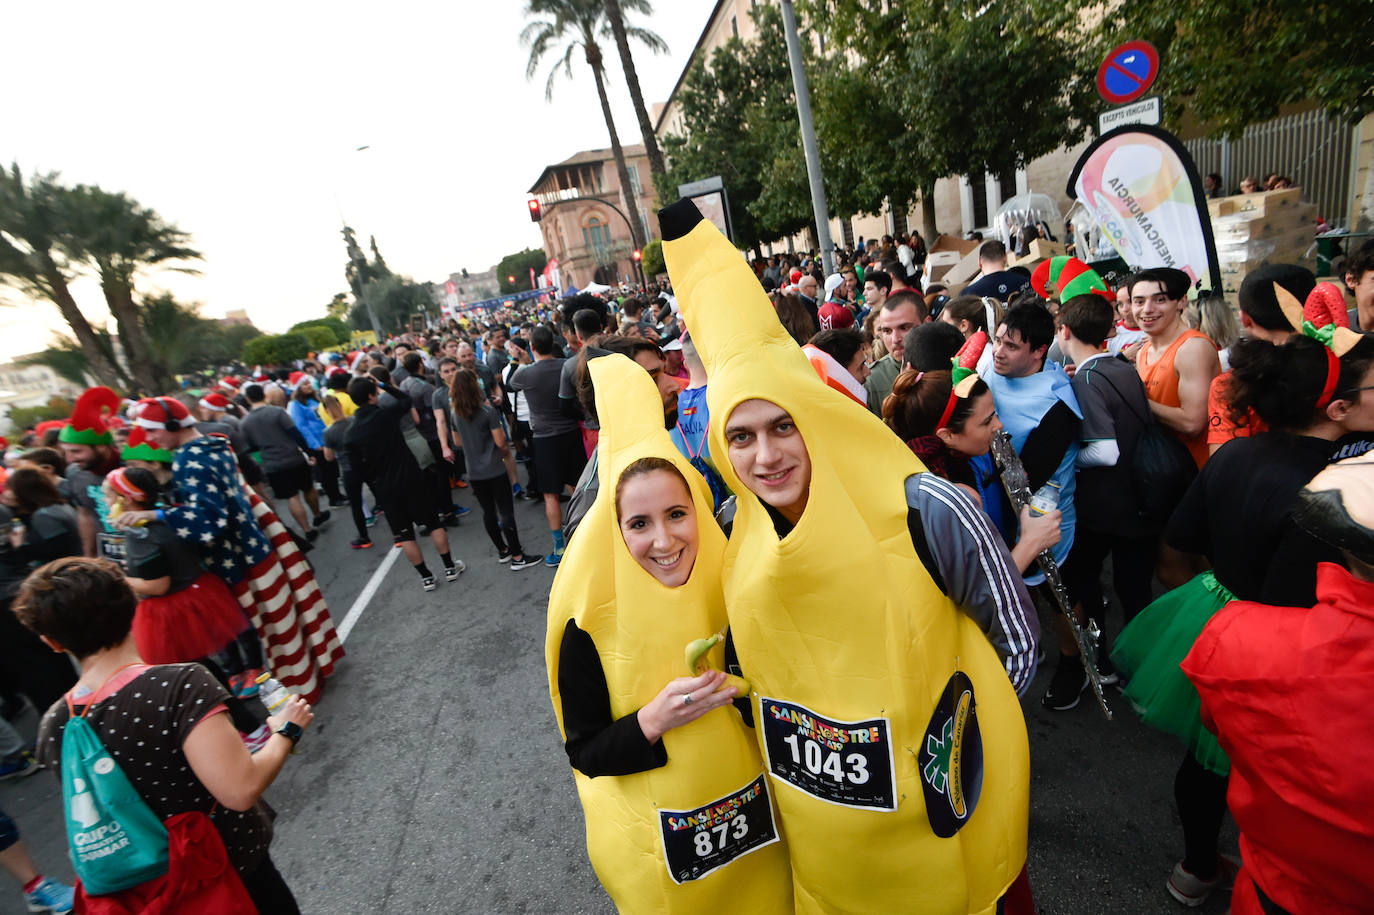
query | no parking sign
(1128,72)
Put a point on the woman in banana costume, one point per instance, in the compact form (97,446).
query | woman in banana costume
(679,811)
(886,721)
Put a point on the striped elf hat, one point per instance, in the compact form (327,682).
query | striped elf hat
(89,423)
(138,448)
(1063,278)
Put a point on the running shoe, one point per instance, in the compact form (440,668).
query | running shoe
(1067,684)
(51,896)
(321,518)
(460,510)
(312,535)
(17,765)
(515,490)
(553,559)
(524,562)
(370,520)
(428,583)
(244,684)
(462,484)
(1193,891)
(1106,670)
(452,572)
(258,739)
(504,556)
(361,544)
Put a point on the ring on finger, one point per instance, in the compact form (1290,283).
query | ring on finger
(686,698)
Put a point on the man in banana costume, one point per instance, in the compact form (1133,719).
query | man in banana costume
(885,719)
(678,808)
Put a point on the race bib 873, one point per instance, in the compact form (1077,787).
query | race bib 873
(699,841)
(842,762)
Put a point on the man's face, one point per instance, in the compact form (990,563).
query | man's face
(874,295)
(807,286)
(851,284)
(467,356)
(1013,357)
(163,439)
(446,373)
(1363,288)
(768,454)
(667,387)
(400,352)
(892,326)
(82,455)
(1155,312)
(451,349)
(498,339)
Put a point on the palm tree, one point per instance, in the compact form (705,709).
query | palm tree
(31,219)
(581,23)
(627,63)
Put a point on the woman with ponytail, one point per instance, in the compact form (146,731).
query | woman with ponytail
(1308,392)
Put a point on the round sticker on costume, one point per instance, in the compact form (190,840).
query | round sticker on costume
(951,758)
(103,766)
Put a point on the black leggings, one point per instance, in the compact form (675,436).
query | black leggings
(494,496)
(269,892)
(1201,799)
(353,491)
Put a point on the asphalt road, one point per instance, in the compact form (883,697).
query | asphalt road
(433,779)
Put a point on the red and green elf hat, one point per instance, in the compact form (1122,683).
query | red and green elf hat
(963,374)
(1063,278)
(138,448)
(89,425)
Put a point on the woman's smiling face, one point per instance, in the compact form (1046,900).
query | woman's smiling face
(659,524)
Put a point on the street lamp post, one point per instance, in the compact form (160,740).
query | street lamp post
(820,208)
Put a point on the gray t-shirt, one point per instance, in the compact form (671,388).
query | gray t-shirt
(269,431)
(334,435)
(540,382)
(479,448)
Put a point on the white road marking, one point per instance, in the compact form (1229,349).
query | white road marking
(359,605)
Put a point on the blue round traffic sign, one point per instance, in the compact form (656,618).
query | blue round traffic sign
(1128,72)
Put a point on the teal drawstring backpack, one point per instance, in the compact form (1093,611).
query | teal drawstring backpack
(116,840)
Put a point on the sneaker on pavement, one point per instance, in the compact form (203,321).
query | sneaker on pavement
(312,535)
(428,583)
(1106,670)
(452,572)
(321,518)
(17,765)
(1193,891)
(516,490)
(460,510)
(51,896)
(552,560)
(370,520)
(1067,684)
(524,562)
(360,544)
(504,556)
(462,484)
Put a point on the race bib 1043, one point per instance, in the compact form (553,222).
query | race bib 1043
(843,762)
(697,842)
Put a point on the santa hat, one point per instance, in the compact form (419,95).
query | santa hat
(42,428)
(795,276)
(835,375)
(163,413)
(138,448)
(229,383)
(335,370)
(217,402)
(834,316)
(1063,278)
(89,422)
(295,378)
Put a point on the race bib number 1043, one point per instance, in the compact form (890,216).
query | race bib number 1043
(843,762)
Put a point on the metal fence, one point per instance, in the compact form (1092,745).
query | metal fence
(1311,148)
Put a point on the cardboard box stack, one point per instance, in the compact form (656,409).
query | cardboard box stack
(1251,230)
(948,253)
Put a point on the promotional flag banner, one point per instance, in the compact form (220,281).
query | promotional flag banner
(1142,188)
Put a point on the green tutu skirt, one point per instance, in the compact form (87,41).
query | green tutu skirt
(1148,652)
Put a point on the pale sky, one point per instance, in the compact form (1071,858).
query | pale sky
(239,123)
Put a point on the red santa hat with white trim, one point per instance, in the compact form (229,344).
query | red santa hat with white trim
(163,413)
(216,402)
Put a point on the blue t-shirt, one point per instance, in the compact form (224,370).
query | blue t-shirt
(689,437)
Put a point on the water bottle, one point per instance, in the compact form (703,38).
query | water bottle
(271,693)
(1046,499)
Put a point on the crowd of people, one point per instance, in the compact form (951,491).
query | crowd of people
(1158,432)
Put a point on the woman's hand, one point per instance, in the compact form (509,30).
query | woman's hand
(295,710)
(1039,532)
(131,519)
(671,708)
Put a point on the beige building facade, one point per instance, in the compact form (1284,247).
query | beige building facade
(579,198)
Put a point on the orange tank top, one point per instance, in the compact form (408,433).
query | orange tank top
(1161,386)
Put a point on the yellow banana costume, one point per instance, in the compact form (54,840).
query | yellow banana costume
(699,834)
(885,718)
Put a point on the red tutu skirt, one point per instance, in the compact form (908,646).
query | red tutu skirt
(189,624)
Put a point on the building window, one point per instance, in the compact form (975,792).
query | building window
(633,171)
(984,205)
(734,26)
(596,234)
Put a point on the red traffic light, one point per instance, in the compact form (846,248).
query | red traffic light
(511,280)
(535,214)
(637,254)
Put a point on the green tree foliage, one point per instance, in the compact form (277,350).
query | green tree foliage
(652,264)
(518,265)
(337,328)
(339,307)
(917,90)
(22,418)
(740,122)
(275,349)
(394,299)
(1235,63)
(321,338)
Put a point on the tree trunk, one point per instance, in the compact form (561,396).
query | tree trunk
(147,374)
(626,191)
(627,63)
(106,372)
(928,231)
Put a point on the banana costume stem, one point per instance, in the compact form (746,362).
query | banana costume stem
(883,714)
